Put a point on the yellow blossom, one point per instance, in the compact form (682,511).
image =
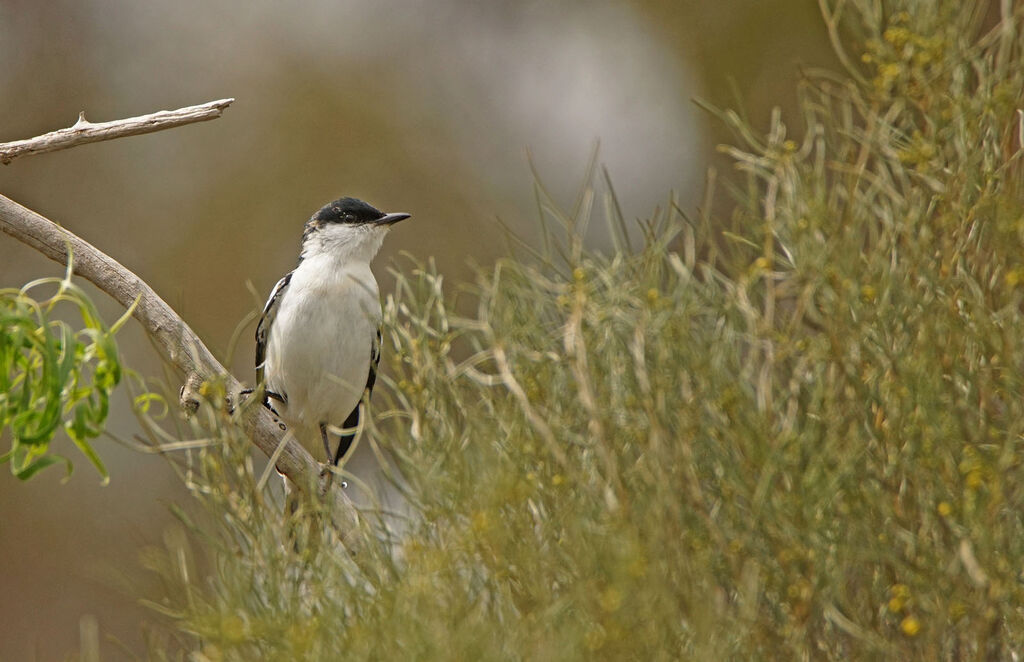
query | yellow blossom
(910,626)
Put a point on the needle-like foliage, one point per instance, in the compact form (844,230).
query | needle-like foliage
(797,437)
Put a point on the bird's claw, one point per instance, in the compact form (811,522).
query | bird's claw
(327,472)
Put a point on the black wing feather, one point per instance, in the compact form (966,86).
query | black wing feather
(352,421)
(263,333)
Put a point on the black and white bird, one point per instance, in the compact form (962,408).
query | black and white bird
(318,341)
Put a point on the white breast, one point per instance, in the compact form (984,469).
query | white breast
(320,345)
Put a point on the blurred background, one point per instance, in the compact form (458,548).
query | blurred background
(423,107)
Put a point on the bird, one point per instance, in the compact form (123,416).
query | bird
(318,339)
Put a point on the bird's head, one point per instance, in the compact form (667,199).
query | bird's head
(347,228)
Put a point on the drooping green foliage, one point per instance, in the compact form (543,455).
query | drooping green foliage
(52,376)
(793,432)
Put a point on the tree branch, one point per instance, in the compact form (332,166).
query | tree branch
(84,131)
(173,338)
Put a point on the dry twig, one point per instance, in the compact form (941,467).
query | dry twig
(83,131)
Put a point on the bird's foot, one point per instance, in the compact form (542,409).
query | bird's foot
(238,398)
(327,472)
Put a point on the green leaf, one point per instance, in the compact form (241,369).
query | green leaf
(53,377)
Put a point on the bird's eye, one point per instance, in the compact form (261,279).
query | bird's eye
(349,217)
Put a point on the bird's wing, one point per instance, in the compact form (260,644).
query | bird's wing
(371,378)
(266,320)
(352,421)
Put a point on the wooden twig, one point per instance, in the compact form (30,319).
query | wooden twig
(83,131)
(172,337)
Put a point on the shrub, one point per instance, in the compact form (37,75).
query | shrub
(793,432)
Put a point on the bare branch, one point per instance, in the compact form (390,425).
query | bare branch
(84,131)
(173,338)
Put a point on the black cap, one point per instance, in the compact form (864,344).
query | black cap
(354,212)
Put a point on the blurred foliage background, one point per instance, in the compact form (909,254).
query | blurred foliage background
(426,108)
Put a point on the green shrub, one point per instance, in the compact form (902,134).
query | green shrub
(53,377)
(795,438)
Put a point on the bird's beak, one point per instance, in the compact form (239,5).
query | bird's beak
(391,219)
